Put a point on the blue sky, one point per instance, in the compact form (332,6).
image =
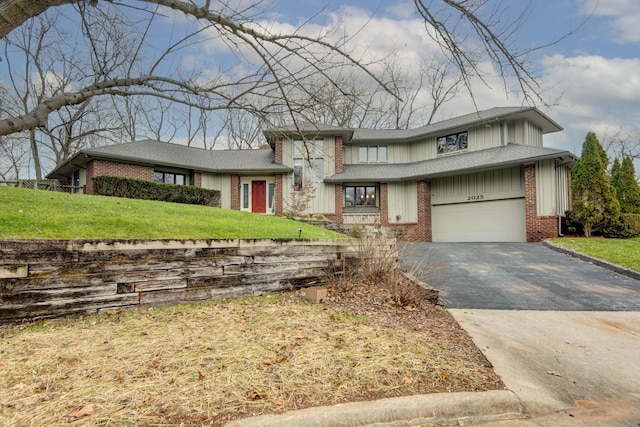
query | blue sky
(594,73)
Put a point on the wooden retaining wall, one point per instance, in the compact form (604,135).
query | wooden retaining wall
(45,278)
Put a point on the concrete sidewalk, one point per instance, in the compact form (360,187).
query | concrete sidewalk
(430,409)
(564,364)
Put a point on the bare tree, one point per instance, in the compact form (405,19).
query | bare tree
(491,26)
(14,158)
(451,23)
(35,82)
(623,143)
(49,66)
(284,60)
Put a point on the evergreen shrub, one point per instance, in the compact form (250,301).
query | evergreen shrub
(147,190)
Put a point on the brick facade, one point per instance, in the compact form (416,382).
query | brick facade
(197,179)
(235,192)
(422,230)
(384,204)
(337,216)
(339,155)
(538,228)
(278,151)
(278,207)
(105,167)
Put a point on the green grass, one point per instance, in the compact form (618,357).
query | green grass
(37,214)
(623,252)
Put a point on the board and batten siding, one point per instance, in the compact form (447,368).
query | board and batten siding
(551,188)
(222,182)
(489,135)
(476,187)
(402,202)
(329,155)
(323,201)
(524,132)
(324,198)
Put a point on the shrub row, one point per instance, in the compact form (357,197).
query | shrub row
(628,225)
(148,190)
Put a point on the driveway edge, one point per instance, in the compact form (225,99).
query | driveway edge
(400,411)
(597,261)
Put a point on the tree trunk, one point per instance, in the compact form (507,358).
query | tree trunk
(35,154)
(14,13)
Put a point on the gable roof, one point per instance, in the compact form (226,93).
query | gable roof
(473,161)
(357,135)
(156,153)
(309,130)
(491,116)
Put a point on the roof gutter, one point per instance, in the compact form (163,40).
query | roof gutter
(565,157)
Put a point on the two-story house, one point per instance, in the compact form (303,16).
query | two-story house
(484,176)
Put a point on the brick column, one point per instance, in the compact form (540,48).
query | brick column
(339,203)
(424,211)
(279,194)
(422,230)
(91,172)
(278,150)
(197,179)
(384,204)
(339,162)
(235,192)
(539,228)
(530,202)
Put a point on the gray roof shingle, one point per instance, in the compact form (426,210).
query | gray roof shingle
(401,135)
(491,158)
(484,116)
(156,153)
(181,156)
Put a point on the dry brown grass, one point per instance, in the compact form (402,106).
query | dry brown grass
(211,362)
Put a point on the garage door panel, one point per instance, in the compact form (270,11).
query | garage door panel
(491,221)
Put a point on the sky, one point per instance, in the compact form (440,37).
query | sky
(592,76)
(591,79)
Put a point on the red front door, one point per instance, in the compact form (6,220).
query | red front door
(259,196)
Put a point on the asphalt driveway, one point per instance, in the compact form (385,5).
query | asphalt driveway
(562,333)
(520,276)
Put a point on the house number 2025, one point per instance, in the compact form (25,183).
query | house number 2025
(475,198)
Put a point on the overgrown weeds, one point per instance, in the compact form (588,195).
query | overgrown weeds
(376,263)
(209,363)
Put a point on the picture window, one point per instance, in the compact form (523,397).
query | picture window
(170,178)
(361,196)
(453,142)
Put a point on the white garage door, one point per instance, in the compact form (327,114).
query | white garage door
(491,221)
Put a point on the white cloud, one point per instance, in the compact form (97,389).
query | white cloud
(625,15)
(598,94)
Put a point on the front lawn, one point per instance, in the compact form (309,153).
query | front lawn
(37,214)
(623,252)
(212,362)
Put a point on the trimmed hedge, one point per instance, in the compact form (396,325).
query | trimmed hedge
(147,190)
(628,225)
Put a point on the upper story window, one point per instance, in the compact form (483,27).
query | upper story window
(308,162)
(454,142)
(372,154)
(170,178)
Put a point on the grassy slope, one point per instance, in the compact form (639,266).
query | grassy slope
(29,214)
(624,252)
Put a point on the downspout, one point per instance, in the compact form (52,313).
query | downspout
(558,197)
